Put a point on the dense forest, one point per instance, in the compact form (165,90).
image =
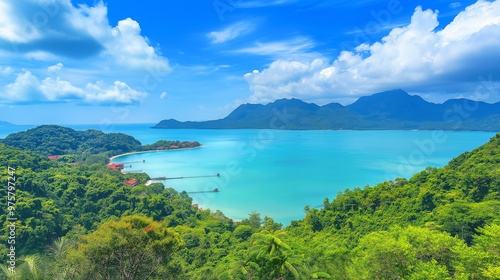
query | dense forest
(51,140)
(169,145)
(82,222)
(90,145)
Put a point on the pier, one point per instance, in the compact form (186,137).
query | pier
(186,177)
(134,161)
(132,171)
(214,190)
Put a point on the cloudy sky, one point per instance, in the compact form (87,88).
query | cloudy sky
(124,61)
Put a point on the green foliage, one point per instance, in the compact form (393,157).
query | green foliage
(132,248)
(440,224)
(163,144)
(55,198)
(409,253)
(91,145)
(51,140)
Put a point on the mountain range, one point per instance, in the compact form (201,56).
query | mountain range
(394,109)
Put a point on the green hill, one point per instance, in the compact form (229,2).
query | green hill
(443,223)
(51,140)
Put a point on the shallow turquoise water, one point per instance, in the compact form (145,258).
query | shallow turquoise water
(277,173)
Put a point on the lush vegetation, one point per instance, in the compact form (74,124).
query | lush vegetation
(51,140)
(91,145)
(82,222)
(168,145)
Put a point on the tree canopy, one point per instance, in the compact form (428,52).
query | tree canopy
(82,222)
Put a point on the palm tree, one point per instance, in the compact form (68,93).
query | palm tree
(7,273)
(275,257)
(58,248)
(57,252)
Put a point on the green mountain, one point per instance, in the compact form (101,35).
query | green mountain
(386,110)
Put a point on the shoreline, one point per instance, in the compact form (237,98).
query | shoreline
(151,181)
(132,153)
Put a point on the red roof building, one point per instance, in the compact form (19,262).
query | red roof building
(132,182)
(54,157)
(174,147)
(116,166)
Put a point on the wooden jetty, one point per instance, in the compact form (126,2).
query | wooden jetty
(186,177)
(133,171)
(134,161)
(214,190)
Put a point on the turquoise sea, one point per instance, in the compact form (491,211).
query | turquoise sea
(277,173)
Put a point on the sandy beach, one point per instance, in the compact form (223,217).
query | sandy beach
(131,153)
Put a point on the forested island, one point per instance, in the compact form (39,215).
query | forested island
(390,110)
(82,222)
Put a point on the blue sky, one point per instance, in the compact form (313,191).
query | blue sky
(123,61)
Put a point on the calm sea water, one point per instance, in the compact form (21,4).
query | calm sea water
(277,173)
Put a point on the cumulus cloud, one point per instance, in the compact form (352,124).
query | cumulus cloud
(27,89)
(43,30)
(55,68)
(416,57)
(230,33)
(119,92)
(132,50)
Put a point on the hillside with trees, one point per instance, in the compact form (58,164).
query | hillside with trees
(52,140)
(82,222)
(77,145)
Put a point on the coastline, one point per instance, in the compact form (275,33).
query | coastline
(131,153)
(149,182)
(201,206)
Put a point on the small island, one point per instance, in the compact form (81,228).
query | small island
(171,145)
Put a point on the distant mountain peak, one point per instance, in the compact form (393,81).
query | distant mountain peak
(394,109)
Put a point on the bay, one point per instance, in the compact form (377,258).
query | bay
(278,172)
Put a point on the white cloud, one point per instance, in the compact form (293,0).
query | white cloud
(295,47)
(163,95)
(45,30)
(132,50)
(231,32)
(6,70)
(415,57)
(119,92)
(55,68)
(15,29)
(27,88)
